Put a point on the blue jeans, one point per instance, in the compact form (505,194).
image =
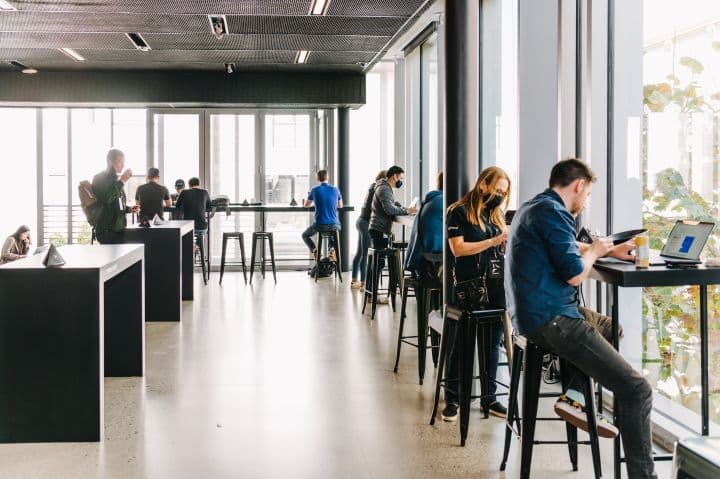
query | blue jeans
(359,264)
(313,230)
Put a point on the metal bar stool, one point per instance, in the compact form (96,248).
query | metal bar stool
(329,237)
(200,242)
(530,355)
(262,236)
(474,328)
(375,257)
(241,239)
(426,299)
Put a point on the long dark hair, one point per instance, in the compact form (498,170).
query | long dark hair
(22,229)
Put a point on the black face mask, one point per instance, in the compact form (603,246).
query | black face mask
(398,184)
(492,201)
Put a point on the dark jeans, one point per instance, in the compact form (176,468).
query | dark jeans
(109,237)
(590,352)
(378,241)
(359,264)
(453,363)
(313,229)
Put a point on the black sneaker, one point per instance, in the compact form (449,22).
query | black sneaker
(450,413)
(496,409)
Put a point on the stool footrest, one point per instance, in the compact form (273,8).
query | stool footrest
(580,443)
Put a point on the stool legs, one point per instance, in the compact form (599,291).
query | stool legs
(512,414)
(318,254)
(441,368)
(338,256)
(368,274)
(253,250)
(376,280)
(242,258)
(467,340)
(531,393)
(222,258)
(272,257)
(402,327)
(422,332)
(201,246)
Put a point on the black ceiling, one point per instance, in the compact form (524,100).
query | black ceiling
(263,34)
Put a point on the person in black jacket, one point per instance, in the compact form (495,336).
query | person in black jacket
(109,189)
(477,233)
(359,264)
(194,204)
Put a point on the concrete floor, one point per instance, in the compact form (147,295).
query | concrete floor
(282,381)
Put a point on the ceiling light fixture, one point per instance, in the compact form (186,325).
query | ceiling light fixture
(218,25)
(229,68)
(23,68)
(138,41)
(302,56)
(319,7)
(72,54)
(5,6)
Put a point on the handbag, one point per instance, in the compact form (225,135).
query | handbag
(472,294)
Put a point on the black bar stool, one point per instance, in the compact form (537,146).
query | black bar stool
(390,255)
(262,236)
(530,355)
(241,239)
(426,298)
(326,238)
(474,328)
(200,242)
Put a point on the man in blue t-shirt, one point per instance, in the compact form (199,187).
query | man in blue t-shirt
(327,200)
(544,265)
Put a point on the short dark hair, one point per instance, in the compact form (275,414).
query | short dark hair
(567,171)
(393,170)
(180,183)
(322,175)
(153,173)
(113,154)
(440,181)
(194,181)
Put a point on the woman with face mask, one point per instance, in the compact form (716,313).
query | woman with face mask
(16,245)
(476,236)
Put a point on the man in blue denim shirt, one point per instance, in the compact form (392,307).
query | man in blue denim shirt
(544,267)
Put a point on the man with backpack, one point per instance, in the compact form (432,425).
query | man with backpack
(111,201)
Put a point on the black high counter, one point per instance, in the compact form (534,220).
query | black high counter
(61,331)
(628,276)
(168,267)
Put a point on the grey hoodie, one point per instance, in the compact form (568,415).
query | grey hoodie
(384,208)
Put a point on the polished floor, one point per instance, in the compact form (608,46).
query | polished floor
(282,381)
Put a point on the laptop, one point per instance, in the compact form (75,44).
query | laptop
(684,244)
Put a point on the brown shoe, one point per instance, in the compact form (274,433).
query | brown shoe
(573,413)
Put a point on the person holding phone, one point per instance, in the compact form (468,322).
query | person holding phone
(109,189)
(16,245)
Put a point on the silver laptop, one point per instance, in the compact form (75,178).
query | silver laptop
(685,243)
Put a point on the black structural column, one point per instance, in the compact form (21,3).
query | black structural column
(462,100)
(343,182)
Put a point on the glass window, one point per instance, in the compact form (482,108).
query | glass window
(287,177)
(129,133)
(430,112)
(232,173)
(18,148)
(177,147)
(90,142)
(681,178)
(55,175)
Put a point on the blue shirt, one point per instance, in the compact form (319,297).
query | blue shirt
(325,197)
(542,256)
(428,225)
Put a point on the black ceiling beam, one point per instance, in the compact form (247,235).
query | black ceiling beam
(182,88)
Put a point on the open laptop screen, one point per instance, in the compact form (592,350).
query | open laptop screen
(687,240)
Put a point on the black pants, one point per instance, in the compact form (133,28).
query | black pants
(587,349)
(378,241)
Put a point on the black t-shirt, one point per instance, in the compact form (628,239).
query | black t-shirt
(468,267)
(194,202)
(152,197)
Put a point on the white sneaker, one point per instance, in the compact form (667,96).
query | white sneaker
(383,300)
(355,284)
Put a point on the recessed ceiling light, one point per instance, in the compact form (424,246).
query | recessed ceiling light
(319,7)
(72,54)
(218,25)
(23,68)
(229,68)
(5,6)
(302,56)
(138,41)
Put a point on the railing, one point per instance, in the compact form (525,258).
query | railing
(55,225)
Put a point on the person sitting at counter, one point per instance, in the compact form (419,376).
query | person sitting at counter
(194,203)
(426,236)
(152,197)
(544,268)
(327,200)
(16,246)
